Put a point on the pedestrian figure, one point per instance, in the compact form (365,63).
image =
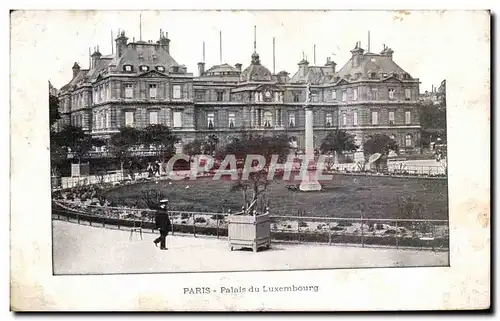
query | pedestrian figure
(150,170)
(162,222)
(157,168)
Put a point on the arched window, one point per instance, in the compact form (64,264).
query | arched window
(128,68)
(268,119)
(408,141)
(144,68)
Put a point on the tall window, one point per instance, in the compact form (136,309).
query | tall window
(101,93)
(268,119)
(334,94)
(129,118)
(279,120)
(314,96)
(210,120)
(374,117)
(152,91)
(108,118)
(200,95)
(291,120)
(344,95)
(408,140)
(355,118)
(408,94)
(408,117)
(232,120)
(220,96)
(391,118)
(153,117)
(103,119)
(344,119)
(296,97)
(355,94)
(176,91)
(129,91)
(391,93)
(177,119)
(374,93)
(329,120)
(108,91)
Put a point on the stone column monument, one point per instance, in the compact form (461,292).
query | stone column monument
(309,181)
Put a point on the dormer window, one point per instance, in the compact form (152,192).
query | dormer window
(128,68)
(373,75)
(160,68)
(395,75)
(144,68)
(175,69)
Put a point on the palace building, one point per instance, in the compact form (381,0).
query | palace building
(141,84)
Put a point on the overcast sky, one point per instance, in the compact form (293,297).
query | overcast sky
(420,41)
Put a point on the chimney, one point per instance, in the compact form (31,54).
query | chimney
(76,69)
(201,68)
(331,64)
(387,52)
(282,77)
(164,41)
(238,67)
(96,56)
(357,55)
(303,68)
(121,43)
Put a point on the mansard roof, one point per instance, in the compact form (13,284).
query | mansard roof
(381,65)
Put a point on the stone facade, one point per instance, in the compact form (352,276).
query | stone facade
(143,84)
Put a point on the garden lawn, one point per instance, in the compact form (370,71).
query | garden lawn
(339,198)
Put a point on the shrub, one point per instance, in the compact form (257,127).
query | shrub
(379,226)
(371,227)
(184,216)
(390,232)
(200,220)
(289,226)
(183,222)
(320,226)
(336,228)
(344,223)
(303,224)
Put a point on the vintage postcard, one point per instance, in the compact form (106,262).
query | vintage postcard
(253,161)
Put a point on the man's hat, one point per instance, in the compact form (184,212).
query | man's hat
(164,201)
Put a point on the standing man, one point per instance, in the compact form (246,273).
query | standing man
(162,222)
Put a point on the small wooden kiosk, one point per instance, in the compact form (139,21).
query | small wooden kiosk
(253,231)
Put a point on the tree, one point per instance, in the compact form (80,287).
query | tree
(379,144)
(193,148)
(337,142)
(76,141)
(58,153)
(121,143)
(210,144)
(53,109)
(257,182)
(162,138)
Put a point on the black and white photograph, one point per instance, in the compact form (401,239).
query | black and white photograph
(249,141)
